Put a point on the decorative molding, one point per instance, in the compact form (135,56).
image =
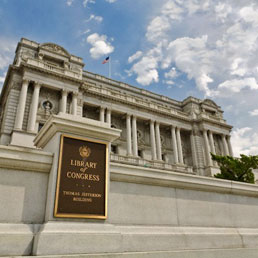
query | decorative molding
(55,48)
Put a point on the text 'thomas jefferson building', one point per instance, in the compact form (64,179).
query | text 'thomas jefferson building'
(157,131)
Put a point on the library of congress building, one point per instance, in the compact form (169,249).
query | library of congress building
(157,132)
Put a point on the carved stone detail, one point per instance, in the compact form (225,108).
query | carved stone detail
(55,48)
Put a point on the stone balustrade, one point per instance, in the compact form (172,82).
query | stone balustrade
(150,163)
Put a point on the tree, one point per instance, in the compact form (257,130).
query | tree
(236,169)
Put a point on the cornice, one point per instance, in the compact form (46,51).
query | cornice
(152,176)
(134,101)
(125,86)
(26,159)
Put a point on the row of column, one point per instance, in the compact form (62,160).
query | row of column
(102,112)
(155,140)
(34,105)
(210,147)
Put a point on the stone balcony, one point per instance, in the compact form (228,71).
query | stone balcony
(55,69)
(181,168)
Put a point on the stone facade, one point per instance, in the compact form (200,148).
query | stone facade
(157,131)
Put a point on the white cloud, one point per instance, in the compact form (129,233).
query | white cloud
(218,46)
(100,45)
(7,49)
(111,1)
(146,69)
(134,57)
(172,73)
(237,85)
(254,112)
(244,141)
(69,2)
(95,18)
(157,28)
(86,2)
(2,78)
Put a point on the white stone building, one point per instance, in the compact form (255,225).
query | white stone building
(157,131)
(161,198)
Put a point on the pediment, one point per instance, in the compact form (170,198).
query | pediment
(210,102)
(55,48)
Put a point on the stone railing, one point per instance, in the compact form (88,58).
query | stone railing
(55,69)
(211,117)
(150,164)
(133,88)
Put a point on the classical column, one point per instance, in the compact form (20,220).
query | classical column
(179,146)
(63,103)
(33,108)
(207,148)
(108,116)
(21,105)
(102,114)
(193,149)
(174,143)
(225,145)
(135,143)
(158,142)
(128,135)
(74,103)
(152,140)
(230,146)
(212,143)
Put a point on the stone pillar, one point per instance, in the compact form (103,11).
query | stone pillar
(135,143)
(74,103)
(225,145)
(128,135)
(21,105)
(152,140)
(193,149)
(158,142)
(33,108)
(174,143)
(102,114)
(212,143)
(179,146)
(63,103)
(108,116)
(230,146)
(207,148)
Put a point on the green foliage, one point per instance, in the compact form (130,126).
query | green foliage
(236,169)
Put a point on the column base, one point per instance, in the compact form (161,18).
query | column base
(211,171)
(23,139)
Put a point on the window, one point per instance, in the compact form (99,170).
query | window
(114,149)
(140,153)
(40,126)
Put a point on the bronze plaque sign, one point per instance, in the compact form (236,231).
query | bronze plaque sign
(81,190)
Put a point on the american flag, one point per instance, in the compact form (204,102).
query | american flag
(105,60)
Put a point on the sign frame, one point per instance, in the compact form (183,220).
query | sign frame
(61,151)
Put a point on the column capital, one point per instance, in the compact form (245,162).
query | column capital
(75,93)
(25,80)
(64,92)
(173,127)
(128,115)
(37,84)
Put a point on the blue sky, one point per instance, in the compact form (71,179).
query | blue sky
(177,48)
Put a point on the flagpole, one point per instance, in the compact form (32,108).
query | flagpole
(109,68)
